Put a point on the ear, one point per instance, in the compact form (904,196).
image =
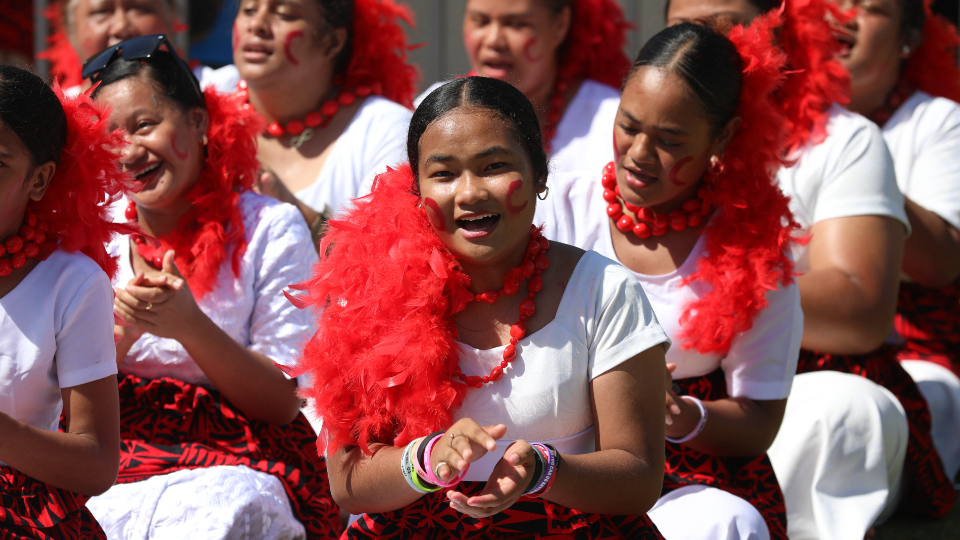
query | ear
(726,135)
(38,181)
(335,41)
(200,120)
(562,24)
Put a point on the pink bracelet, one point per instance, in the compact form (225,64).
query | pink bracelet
(428,465)
(416,462)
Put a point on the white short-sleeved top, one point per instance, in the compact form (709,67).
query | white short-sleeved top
(583,142)
(924,138)
(375,138)
(761,362)
(250,308)
(56,331)
(848,174)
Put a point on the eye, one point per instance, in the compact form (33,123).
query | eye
(441,174)
(628,129)
(495,166)
(668,144)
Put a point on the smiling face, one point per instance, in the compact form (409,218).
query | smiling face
(515,41)
(20,181)
(732,11)
(663,140)
(873,45)
(98,24)
(477,185)
(165,151)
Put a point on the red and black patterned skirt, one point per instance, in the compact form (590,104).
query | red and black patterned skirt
(530,518)
(928,490)
(929,322)
(33,510)
(751,479)
(168,425)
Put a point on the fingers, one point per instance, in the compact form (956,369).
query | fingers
(140,297)
(671,368)
(672,408)
(169,267)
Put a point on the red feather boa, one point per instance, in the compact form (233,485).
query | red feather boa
(816,79)
(64,62)
(214,223)
(594,48)
(379,56)
(748,239)
(76,206)
(385,290)
(932,68)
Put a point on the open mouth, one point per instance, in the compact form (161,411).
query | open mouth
(143,178)
(638,178)
(496,68)
(847,41)
(479,223)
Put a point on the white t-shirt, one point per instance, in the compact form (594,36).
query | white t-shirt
(849,174)
(924,138)
(56,331)
(251,309)
(375,138)
(583,142)
(761,362)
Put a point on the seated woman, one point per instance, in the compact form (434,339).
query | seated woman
(691,208)
(56,171)
(474,378)
(212,438)
(332,80)
(566,56)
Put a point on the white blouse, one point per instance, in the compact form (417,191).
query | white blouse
(250,308)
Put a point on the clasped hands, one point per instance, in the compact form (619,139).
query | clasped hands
(154,301)
(681,415)
(470,442)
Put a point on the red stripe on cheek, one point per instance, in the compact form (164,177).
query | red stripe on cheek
(181,155)
(517,184)
(286,46)
(436,218)
(526,50)
(676,170)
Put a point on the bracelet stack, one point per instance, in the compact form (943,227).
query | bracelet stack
(548,462)
(417,469)
(703,421)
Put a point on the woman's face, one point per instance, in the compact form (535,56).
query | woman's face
(20,181)
(98,24)
(165,153)
(515,41)
(873,44)
(733,11)
(662,140)
(477,185)
(278,40)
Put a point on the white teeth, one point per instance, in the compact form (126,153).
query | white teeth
(477,218)
(148,170)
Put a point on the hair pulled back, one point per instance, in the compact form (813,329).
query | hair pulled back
(163,70)
(705,60)
(32,110)
(498,97)
(338,14)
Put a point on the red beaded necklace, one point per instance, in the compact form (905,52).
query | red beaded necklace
(897,97)
(17,248)
(534,263)
(555,113)
(302,130)
(690,214)
(150,253)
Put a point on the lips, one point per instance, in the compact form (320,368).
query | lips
(496,68)
(145,176)
(846,39)
(256,52)
(638,179)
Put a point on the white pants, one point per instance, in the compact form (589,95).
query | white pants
(224,502)
(941,388)
(839,455)
(706,513)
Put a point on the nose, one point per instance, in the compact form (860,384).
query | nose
(494,36)
(258,24)
(642,149)
(120,28)
(133,153)
(471,190)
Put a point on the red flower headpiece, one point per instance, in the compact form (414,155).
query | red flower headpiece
(76,206)
(384,290)
(932,68)
(748,238)
(594,48)
(214,224)
(379,56)
(816,78)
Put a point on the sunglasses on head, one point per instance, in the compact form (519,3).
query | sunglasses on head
(138,48)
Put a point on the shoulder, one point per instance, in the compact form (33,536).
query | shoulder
(72,273)
(845,127)
(266,215)
(607,278)
(597,91)
(224,79)
(376,109)
(925,114)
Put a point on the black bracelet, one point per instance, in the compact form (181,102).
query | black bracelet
(422,449)
(537,472)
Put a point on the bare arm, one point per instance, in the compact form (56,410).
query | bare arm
(849,296)
(86,458)
(932,256)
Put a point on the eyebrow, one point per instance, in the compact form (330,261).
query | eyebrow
(659,128)
(4,154)
(442,158)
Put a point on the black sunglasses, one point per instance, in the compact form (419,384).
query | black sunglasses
(137,48)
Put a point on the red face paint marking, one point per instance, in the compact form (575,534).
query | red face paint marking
(437,218)
(236,37)
(526,51)
(286,46)
(676,170)
(181,155)
(513,188)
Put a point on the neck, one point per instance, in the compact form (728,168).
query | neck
(161,222)
(865,100)
(13,227)
(276,103)
(489,277)
(540,96)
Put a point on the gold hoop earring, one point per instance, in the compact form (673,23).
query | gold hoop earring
(546,192)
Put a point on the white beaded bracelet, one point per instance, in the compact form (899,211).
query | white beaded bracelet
(703,421)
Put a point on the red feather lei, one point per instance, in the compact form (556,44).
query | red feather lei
(932,68)
(384,290)
(816,79)
(64,62)
(594,48)
(76,206)
(214,224)
(379,56)
(748,239)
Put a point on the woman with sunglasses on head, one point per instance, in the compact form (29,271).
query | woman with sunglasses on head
(474,378)
(57,177)
(209,425)
(331,79)
(566,56)
(690,207)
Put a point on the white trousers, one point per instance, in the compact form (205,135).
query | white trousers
(707,513)
(214,503)
(941,388)
(839,455)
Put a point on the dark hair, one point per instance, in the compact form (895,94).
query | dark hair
(494,95)
(33,112)
(163,70)
(338,14)
(912,20)
(705,60)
